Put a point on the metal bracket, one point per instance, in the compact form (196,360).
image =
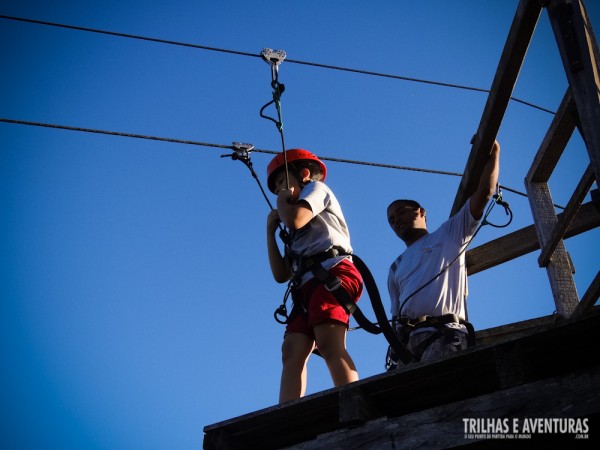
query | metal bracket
(273,57)
(241,151)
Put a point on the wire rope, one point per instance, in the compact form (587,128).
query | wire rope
(293,61)
(232,147)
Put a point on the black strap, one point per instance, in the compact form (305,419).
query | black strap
(438,322)
(403,354)
(471,339)
(333,284)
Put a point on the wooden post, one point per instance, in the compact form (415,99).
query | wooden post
(579,52)
(559,269)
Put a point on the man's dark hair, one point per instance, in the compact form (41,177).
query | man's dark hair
(411,203)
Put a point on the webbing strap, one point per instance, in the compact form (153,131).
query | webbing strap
(439,322)
(401,351)
(333,284)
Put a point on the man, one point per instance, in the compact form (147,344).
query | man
(428,282)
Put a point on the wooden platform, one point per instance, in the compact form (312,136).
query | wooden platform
(545,367)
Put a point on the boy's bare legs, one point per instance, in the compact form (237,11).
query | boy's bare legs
(295,350)
(330,337)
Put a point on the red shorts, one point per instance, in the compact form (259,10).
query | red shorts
(321,304)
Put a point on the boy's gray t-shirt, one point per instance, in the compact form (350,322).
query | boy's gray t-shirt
(325,230)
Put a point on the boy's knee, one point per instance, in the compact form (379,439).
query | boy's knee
(295,349)
(331,348)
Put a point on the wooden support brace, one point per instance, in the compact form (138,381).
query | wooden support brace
(562,225)
(511,365)
(523,241)
(556,139)
(355,406)
(590,297)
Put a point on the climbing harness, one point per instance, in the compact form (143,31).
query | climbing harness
(334,285)
(405,325)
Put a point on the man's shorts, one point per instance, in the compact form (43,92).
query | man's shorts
(318,304)
(448,343)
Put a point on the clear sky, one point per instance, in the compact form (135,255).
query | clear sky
(137,301)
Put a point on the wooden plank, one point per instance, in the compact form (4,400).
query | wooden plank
(523,241)
(511,331)
(511,60)
(558,135)
(277,426)
(563,223)
(579,52)
(355,407)
(559,270)
(575,395)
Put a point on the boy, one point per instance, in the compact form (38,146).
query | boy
(317,229)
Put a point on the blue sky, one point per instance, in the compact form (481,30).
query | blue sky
(137,301)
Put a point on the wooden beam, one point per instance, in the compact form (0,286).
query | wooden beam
(511,60)
(524,241)
(355,407)
(581,60)
(563,223)
(555,140)
(575,395)
(590,297)
(559,270)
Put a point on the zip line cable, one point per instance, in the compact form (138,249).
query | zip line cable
(294,61)
(236,148)
(203,47)
(116,133)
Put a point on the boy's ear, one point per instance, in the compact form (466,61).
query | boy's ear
(305,174)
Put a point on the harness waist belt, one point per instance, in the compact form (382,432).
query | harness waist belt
(434,321)
(438,322)
(305,263)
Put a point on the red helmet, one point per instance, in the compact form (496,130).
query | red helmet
(294,154)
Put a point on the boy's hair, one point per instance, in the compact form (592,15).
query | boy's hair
(316,174)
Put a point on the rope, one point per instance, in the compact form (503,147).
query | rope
(258,150)
(114,133)
(206,144)
(293,61)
